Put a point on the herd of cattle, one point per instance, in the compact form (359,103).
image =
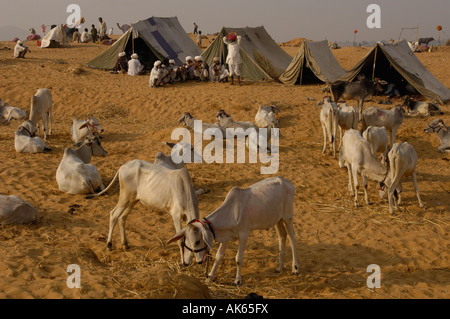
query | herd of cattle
(165,185)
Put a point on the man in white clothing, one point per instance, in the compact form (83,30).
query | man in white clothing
(217,71)
(156,75)
(233,41)
(20,50)
(134,66)
(85,36)
(201,69)
(101,28)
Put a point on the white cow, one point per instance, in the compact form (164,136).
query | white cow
(438,126)
(263,205)
(156,186)
(15,210)
(378,140)
(74,174)
(402,161)
(265,117)
(41,109)
(329,119)
(390,119)
(212,129)
(25,140)
(81,128)
(9,112)
(356,155)
(347,119)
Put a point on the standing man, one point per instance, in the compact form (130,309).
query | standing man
(199,39)
(94,34)
(101,28)
(233,41)
(195,28)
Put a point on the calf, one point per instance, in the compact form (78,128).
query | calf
(81,128)
(438,126)
(263,205)
(26,142)
(403,162)
(41,109)
(390,119)
(74,174)
(329,119)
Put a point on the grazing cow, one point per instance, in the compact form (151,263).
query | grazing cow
(263,205)
(26,142)
(74,174)
(359,90)
(438,126)
(9,112)
(329,119)
(14,210)
(417,108)
(156,186)
(390,119)
(356,155)
(378,140)
(347,119)
(41,109)
(402,162)
(81,128)
(425,41)
(265,117)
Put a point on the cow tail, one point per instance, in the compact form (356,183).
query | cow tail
(90,196)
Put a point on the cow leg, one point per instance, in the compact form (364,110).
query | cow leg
(281,232)
(113,217)
(50,122)
(219,256)
(392,140)
(324,139)
(122,222)
(291,232)
(390,198)
(340,138)
(356,183)
(176,217)
(45,125)
(417,190)
(366,194)
(350,182)
(240,256)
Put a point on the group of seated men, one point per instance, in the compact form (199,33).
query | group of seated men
(193,69)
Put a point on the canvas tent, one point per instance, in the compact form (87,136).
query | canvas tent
(152,39)
(55,38)
(261,57)
(313,63)
(395,62)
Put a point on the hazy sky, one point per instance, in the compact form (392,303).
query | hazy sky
(334,20)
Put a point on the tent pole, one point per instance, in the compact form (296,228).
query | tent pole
(301,74)
(132,38)
(374,63)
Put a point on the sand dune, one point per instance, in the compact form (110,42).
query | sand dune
(335,241)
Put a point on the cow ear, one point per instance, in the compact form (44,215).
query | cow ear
(207,238)
(441,124)
(84,125)
(177,236)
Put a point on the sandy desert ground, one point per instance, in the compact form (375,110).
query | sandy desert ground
(335,241)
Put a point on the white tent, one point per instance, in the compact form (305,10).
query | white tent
(55,38)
